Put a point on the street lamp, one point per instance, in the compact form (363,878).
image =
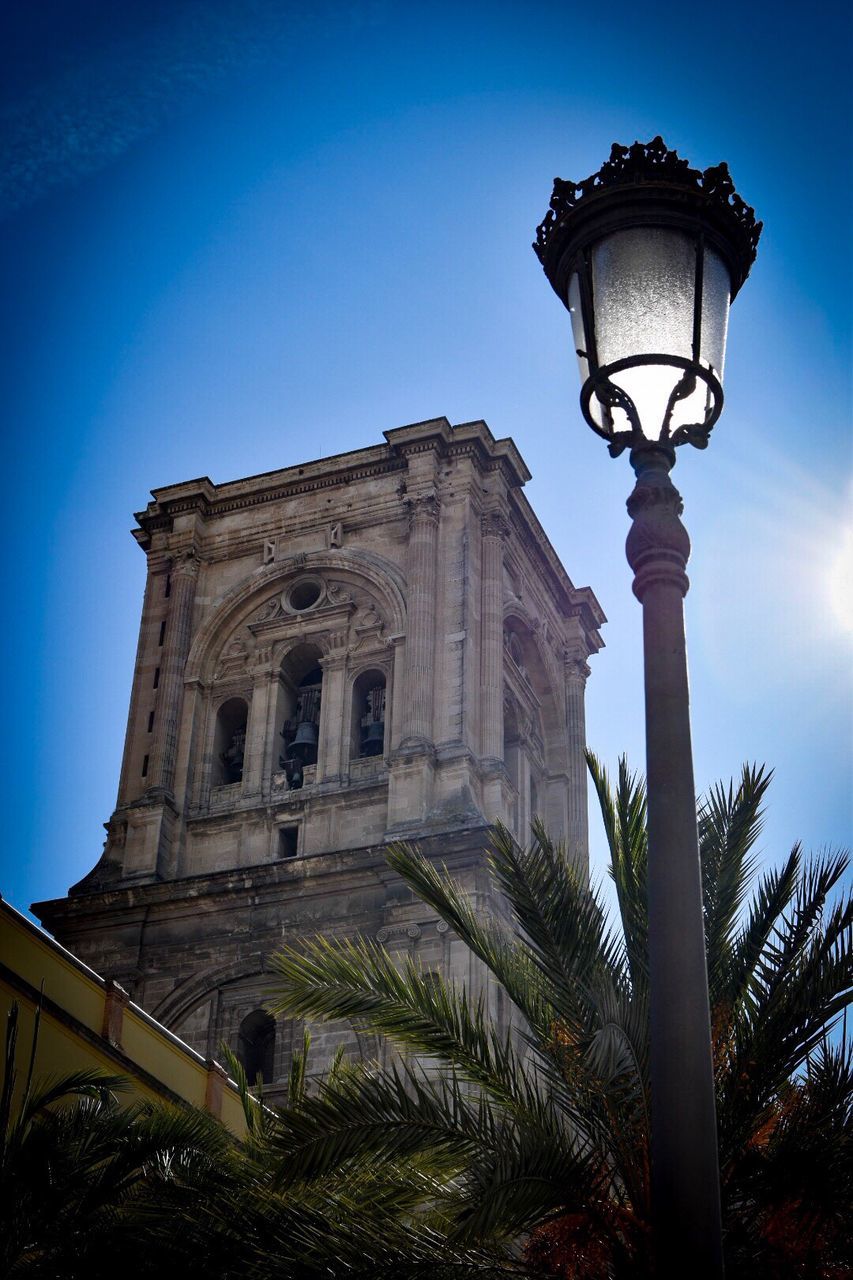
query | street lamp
(647,255)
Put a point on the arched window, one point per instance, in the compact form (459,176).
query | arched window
(302,681)
(368,715)
(256,1046)
(229,741)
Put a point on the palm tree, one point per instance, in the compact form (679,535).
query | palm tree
(544,1131)
(90,1187)
(350,1222)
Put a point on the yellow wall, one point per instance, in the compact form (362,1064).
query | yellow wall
(88,1022)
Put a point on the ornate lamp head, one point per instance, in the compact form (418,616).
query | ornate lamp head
(647,255)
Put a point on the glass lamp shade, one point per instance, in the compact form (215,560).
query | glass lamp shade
(647,254)
(655,305)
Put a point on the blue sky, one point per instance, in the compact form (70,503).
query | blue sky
(241,236)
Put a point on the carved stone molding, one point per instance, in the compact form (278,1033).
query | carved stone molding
(335,647)
(576,671)
(234,659)
(233,688)
(393,932)
(513,646)
(263,664)
(423,509)
(494,524)
(279,608)
(368,627)
(186,563)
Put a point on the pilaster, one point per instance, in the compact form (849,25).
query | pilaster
(575,674)
(141,700)
(420,631)
(258,727)
(495,531)
(332,719)
(170,686)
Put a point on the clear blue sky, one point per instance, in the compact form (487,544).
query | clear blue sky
(237,236)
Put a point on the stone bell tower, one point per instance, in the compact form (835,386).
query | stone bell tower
(373,646)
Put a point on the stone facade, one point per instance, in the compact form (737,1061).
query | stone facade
(377,645)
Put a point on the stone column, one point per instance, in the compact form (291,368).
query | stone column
(495,531)
(273,741)
(257,727)
(576,673)
(394,726)
(333,729)
(170,688)
(420,624)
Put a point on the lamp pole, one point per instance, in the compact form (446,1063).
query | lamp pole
(685,1170)
(647,255)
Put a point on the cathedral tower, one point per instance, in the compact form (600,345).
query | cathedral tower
(377,645)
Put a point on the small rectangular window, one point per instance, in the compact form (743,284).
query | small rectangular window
(150,721)
(288,838)
(145,766)
(162,631)
(156,677)
(168,590)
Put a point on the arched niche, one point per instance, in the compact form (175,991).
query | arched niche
(256,1046)
(298,710)
(229,741)
(369,718)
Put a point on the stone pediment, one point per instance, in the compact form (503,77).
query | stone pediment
(333,601)
(333,608)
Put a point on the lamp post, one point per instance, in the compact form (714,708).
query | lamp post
(647,255)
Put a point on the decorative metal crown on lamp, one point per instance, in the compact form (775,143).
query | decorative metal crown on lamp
(647,254)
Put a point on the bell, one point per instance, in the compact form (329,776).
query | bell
(304,745)
(374,739)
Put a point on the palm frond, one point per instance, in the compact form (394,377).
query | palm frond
(366,1115)
(801,982)
(737,987)
(359,980)
(624,817)
(560,918)
(730,821)
(509,961)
